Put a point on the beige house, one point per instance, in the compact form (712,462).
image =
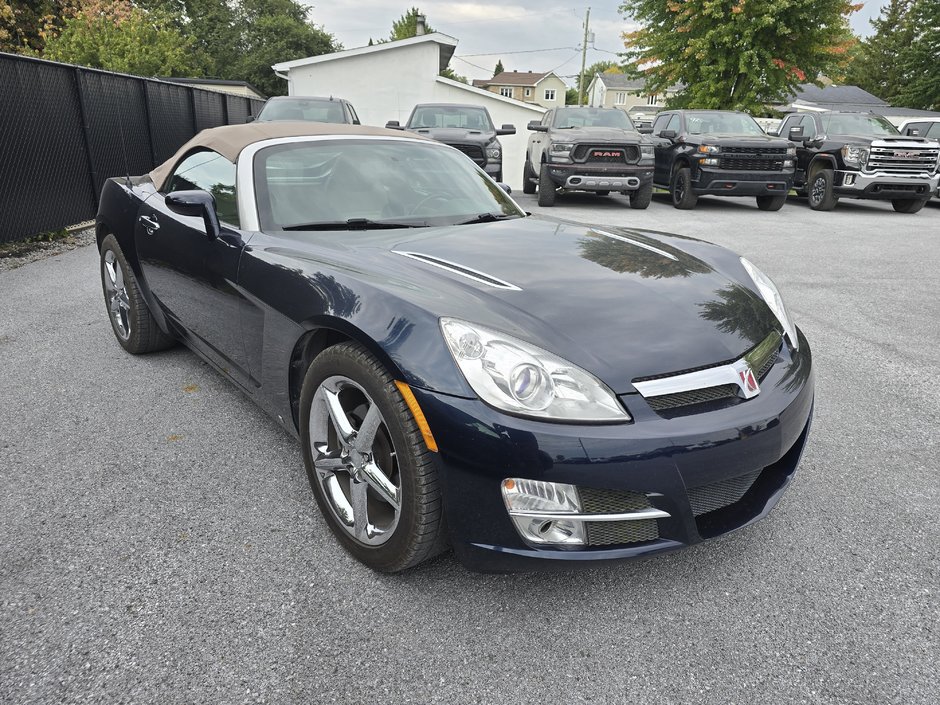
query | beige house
(615,90)
(544,89)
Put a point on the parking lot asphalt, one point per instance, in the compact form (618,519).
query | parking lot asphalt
(160,543)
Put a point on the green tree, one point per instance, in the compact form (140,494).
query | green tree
(499,68)
(406,26)
(571,96)
(26,25)
(876,65)
(919,59)
(594,69)
(735,54)
(117,36)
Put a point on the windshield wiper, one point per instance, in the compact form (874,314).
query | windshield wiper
(353,224)
(487,218)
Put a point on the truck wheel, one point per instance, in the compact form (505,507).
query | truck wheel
(682,196)
(528,178)
(819,191)
(546,188)
(908,205)
(771,203)
(641,198)
(602,193)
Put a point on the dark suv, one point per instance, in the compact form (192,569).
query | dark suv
(310,108)
(468,128)
(720,153)
(588,149)
(860,155)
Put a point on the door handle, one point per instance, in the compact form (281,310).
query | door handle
(150,224)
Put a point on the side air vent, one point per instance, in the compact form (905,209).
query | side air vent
(462,270)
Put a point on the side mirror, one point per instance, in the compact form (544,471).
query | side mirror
(504,187)
(537,126)
(912,132)
(250,118)
(772,133)
(196,204)
(668,134)
(393,125)
(645,130)
(795,134)
(506,130)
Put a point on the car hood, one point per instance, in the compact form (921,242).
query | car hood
(742,140)
(455,134)
(621,304)
(597,135)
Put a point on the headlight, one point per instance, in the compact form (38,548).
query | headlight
(709,148)
(521,379)
(791,151)
(562,148)
(646,150)
(493,151)
(854,155)
(770,294)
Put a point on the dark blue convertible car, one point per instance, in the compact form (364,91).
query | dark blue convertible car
(527,392)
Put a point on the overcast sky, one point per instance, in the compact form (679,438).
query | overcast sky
(517,31)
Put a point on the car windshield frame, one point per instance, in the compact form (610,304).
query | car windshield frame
(441,111)
(561,120)
(848,124)
(298,103)
(708,117)
(370,183)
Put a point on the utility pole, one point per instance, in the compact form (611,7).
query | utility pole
(587,18)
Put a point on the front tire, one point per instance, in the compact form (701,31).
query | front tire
(819,191)
(546,188)
(682,196)
(131,320)
(771,203)
(642,197)
(373,477)
(908,205)
(528,178)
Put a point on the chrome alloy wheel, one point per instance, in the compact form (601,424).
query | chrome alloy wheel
(818,191)
(355,461)
(119,305)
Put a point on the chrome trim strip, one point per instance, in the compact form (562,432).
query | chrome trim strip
(461,269)
(711,377)
(628,516)
(636,243)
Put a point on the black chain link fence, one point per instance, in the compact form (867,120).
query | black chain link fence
(64,130)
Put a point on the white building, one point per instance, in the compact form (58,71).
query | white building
(385,81)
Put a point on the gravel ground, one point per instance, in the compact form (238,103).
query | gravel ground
(34,251)
(161,545)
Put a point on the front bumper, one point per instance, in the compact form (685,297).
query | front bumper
(666,459)
(880,185)
(723,182)
(597,177)
(494,168)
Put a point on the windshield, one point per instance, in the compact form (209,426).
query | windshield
(856,124)
(592,117)
(721,124)
(303,109)
(394,183)
(468,118)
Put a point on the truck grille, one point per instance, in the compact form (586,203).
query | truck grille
(902,160)
(473,151)
(750,163)
(758,151)
(606,154)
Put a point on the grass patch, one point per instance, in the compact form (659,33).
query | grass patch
(43,241)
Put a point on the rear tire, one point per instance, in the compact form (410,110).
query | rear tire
(376,484)
(908,205)
(602,193)
(528,178)
(546,188)
(642,197)
(131,320)
(682,196)
(819,191)
(771,203)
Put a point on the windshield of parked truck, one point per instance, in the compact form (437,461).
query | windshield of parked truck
(459,116)
(857,124)
(721,124)
(592,117)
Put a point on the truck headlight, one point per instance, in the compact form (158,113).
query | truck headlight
(709,148)
(791,151)
(646,151)
(494,152)
(852,154)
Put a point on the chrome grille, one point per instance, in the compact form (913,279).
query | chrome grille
(721,494)
(473,151)
(902,160)
(607,533)
(665,402)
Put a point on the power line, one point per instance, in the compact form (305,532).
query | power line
(526,51)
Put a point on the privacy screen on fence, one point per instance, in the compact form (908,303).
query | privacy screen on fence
(64,130)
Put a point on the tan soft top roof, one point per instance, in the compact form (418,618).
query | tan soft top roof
(230,140)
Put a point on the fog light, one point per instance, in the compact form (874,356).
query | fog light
(538,511)
(711,161)
(849,179)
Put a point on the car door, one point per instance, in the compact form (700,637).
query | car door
(665,150)
(537,142)
(192,275)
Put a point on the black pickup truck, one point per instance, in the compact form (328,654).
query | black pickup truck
(468,128)
(588,149)
(720,153)
(860,155)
